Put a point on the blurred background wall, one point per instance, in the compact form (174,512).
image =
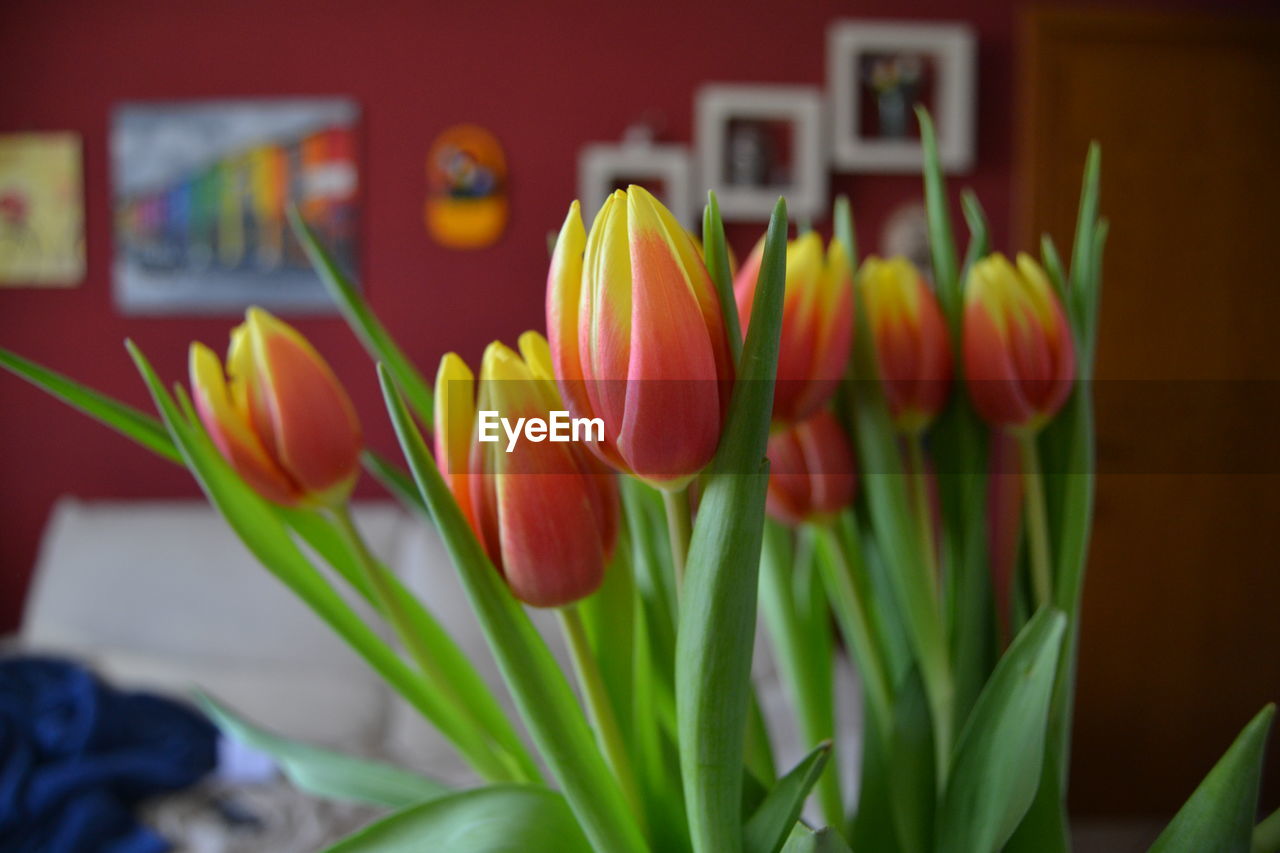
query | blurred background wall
(546,77)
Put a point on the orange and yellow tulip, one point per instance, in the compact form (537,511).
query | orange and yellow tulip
(810,470)
(638,339)
(1019,355)
(912,347)
(545,511)
(278,414)
(817,323)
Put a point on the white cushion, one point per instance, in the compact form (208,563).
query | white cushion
(163,594)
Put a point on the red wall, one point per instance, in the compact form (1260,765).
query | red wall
(545,77)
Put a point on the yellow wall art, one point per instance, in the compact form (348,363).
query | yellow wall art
(41,210)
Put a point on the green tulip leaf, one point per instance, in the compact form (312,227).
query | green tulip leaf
(716,255)
(799,633)
(360,317)
(1219,816)
(450,673)
(767,829)
(1044,827)
(912,780)
(979,232)
(126,420)
(541,691)
(1266,835)
(656,586)
(609,616)
(873,825)
(998,757)
(718,605)
(882,484)
(395,480)
(758,754)
(946,272)
(324,773)
(497,819)
(1068,446)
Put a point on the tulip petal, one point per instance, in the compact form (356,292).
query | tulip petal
(552,552)
(1058,332)
(810,470)
(536,353)
(605,318)
(455,416)
(992,379)
(543,510)
(672,367)
(564,299)
(833,341)
(787,498)
(231,433)
(646,212)
(913,347)
(1019,351)
(829,461)
(934,371)
(316,433)
(797,347)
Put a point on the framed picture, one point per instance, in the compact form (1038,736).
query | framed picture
(877,72)
(200,194)
(756,143)
(664,170)
(41,210)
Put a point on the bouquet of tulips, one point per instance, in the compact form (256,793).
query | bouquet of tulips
(675,456)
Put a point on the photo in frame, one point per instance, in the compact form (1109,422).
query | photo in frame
(878,71)
(756,143)
(662,169)
(200,191)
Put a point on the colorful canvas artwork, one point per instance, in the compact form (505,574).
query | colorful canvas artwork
(41,210)
(201,192)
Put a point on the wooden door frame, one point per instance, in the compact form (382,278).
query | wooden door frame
(1041,29)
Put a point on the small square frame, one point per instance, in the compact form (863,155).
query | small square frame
(954,48)
(599,164)
(804,108)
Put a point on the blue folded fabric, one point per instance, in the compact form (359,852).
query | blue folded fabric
(76,757)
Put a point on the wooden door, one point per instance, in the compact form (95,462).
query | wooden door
(1181,623)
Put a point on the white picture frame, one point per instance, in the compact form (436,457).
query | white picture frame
(801,176)
(951,77)
(601,166)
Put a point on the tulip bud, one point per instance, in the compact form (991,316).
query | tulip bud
(546,511)
(810,470)
(1019,356)
(912,347)
(278,414)
(638,340)
(817,323)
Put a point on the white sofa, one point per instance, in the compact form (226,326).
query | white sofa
(161,595)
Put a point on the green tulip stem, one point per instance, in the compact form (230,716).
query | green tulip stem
(599,706)
(470,740)
(924,513)
(848,594)
(798,624)
(1037,518)
(679,529)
